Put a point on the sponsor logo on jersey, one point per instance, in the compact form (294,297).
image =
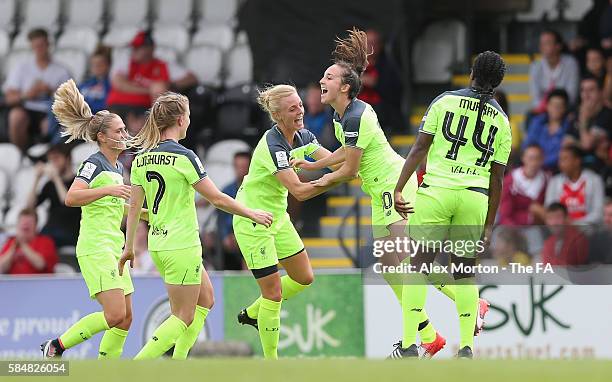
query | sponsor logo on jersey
(200,165)
(281,159)
(351,134)
(88,170)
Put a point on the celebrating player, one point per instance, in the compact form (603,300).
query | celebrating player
(466,137)
(266,186)
(99,190)
(167,174)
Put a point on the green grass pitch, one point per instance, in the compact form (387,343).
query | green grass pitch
(334,369)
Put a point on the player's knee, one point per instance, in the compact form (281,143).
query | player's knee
(115,317)
(208,301)
(306,279)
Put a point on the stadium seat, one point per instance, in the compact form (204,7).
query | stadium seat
(132,13)
(81,152)
(237,113)
(435,52)
(84,13)
(218,35)
(175,37)
(175,12)
(82,38)
(166,54)
(64,269)
(121,54)
(4,45)
(40,13)
(220,173)
(217,11)
(74,60)
(120,36)
(7,15)
(10,219)
(223,152)
(239,66)
(4,193)
(205,62)
(538,8)
(11,159)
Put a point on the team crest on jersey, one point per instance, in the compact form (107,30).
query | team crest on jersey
(281,159)
(88,170)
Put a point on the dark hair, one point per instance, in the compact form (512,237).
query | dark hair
(243,154)
(558,92)
(598,49)
(574,150)
(533,146)
(351,54)
(591,77)
(60,148)
(556,35)
(556,206)
(29,212)
(36,33)
(103,51)
(487,73)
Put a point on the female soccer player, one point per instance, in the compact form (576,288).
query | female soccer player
(266,186)
(366,152)
(468,138)
(167,174)
(99,190)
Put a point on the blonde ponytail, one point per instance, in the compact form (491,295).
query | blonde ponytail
(162,115)
(74,114)
(269,98)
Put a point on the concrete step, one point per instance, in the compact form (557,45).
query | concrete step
(341,205)
(330,227)
(328,248)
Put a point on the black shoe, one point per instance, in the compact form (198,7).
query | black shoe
(244,319)
(50,350)
(465,352)
(399,352)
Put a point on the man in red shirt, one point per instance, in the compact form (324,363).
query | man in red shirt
(28,252)
(137,81)
(566,245)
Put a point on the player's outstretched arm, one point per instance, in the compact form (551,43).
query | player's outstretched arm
(301,191)
(496,181)
(347,171)
(136,202)
(222,201)
(324,158)
(415,156)
(80,194)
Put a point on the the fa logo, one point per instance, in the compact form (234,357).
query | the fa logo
(112,273)
(262,251)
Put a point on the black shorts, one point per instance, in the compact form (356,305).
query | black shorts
(35,117)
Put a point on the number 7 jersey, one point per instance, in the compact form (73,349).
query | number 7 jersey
(461,153)
(167,174)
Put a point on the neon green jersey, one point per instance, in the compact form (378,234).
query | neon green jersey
(460,155)
(100,230)
(261,189)
(359,128)
(167,173)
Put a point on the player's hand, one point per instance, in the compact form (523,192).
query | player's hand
(401,206)
(262,217)
(486,236)
(303,164)
(127,255)
(321,182)
(120,191)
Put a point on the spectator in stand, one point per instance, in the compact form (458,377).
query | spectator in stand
(95,89)
(548,130)
(605,27)
(28,89)
(63,222)
(28,252)
(566,245)
(594,118)
(580,190)
(524,189)
(554,70)
(182,80)
(136,82)
(601,241)
(381,83)
(595,64)
(232,259)
(510,246)
(318,118)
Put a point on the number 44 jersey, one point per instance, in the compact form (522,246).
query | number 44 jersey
(167,174)
(461,152)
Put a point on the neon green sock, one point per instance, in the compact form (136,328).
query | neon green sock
(84,329)
(111,346)
(289,288)
(467,308)
(413,307)
(189,337)
(269,327)
(443,282)
(163,338)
